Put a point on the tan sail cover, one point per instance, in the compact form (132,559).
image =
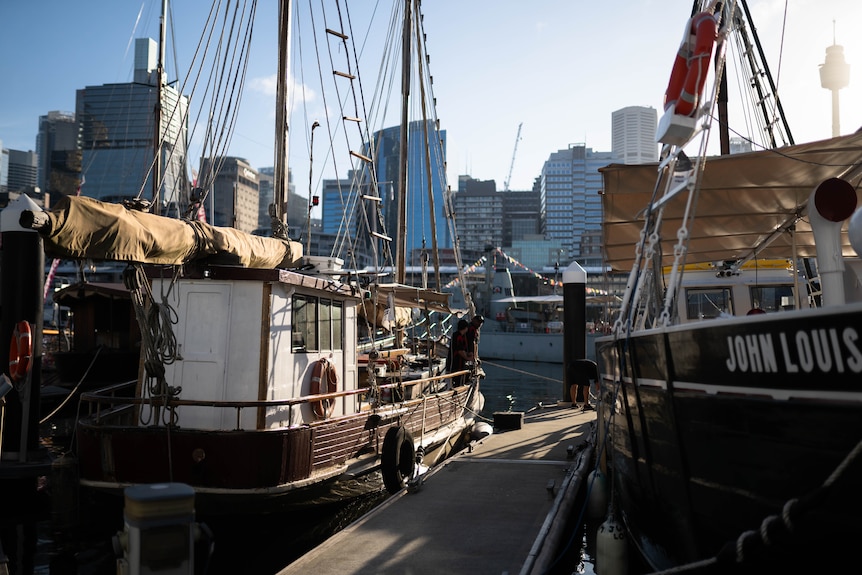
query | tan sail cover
(743,199)
(85,228)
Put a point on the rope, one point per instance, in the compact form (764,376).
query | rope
(467,408)
(71,393)
(522,372)
(774,529)
(158,342)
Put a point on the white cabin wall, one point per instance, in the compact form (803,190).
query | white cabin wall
(740,286)
(351,374)
(290,372)
(281,379)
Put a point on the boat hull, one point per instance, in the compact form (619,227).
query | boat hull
(539,347)
(253,471)
(714,427)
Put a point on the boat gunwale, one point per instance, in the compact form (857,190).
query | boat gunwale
(106,395)
(844,309)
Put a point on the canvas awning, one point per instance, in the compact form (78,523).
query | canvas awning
(743,200)
(531,299)
(407,296)
(404,298)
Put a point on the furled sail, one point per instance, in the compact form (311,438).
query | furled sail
(84,228)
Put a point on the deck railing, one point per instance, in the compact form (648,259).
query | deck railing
(115,397)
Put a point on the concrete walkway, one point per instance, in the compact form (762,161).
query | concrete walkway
(498,508)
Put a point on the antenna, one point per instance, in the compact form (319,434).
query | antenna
(512,165)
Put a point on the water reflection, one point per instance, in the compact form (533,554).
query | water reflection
(520,386)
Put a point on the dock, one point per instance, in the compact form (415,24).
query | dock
(502,506)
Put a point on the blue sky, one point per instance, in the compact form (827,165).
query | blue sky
(560,67)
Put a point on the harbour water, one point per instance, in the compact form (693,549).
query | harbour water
(56,544)
(520,385)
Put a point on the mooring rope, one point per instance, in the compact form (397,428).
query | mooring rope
(522,372)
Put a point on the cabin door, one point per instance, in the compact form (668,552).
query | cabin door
(218,337)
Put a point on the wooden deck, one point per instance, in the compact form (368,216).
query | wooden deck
(500,507)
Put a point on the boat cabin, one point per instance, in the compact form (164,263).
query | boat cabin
(710,291)
(253,335)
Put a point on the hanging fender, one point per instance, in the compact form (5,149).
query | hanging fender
(690,67)
(398,458)
(20,351)
(324,379)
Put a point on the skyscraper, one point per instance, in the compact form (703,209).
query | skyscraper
(419,209)
(22,171)
(234,196)
(633,135)
(59,155)
(117,135)
(570,200)
(478,216)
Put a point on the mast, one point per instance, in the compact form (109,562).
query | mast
(157,114)
(401,247)
(278,209)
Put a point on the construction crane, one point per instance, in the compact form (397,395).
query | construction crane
(512,165)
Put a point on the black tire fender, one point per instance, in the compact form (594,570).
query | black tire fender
(398,459)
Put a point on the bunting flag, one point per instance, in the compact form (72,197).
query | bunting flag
(497,251)
(551,282)
(467,270)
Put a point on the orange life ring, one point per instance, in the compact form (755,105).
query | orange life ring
(689,72)
(20,351)
(324,379)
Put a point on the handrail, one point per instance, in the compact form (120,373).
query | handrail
(100,395)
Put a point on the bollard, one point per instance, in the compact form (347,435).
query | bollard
(159,533)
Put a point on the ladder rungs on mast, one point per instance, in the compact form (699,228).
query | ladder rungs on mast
(381,236)
(360,156)
(351,119)
(339,34)
(344,75)
(371,198)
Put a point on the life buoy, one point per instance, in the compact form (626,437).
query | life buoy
(398,458)
(324,379)
(690,68)
(20,351)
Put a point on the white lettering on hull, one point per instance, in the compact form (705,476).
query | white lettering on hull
(807,351)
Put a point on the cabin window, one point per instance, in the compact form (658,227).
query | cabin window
(704,303)
(337,326)
(770,298)
(317,324)
(325,324)
(304,323)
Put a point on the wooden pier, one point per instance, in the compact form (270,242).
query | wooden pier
(503,506)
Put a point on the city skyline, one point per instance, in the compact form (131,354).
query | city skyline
(530,67)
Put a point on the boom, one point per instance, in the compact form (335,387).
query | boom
(512,165)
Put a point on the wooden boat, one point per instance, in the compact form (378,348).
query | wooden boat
(734,437)
(248,389)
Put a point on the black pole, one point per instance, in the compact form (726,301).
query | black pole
(574,321)
(21,280)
